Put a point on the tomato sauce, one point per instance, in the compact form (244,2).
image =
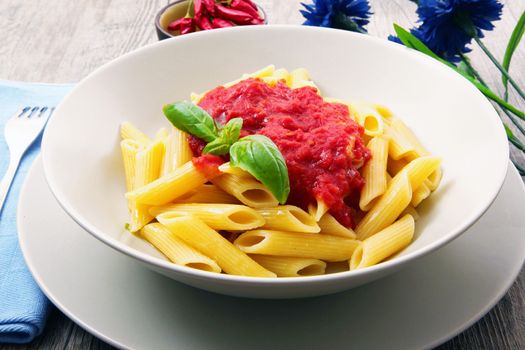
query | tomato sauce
(322,146)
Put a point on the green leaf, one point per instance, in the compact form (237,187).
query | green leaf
(514,40)
(414,43)
(259,156)
(228,135)
(217,147)
(192,119)
(232,130)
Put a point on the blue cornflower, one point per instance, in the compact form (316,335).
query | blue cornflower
(342,14)
(448,26)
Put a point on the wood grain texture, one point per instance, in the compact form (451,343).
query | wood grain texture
(63,41)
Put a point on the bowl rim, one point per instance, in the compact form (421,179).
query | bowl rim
(176,2)
(281,281)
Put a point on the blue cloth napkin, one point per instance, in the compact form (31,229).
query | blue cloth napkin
(23,306)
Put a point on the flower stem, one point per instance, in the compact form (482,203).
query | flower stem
(521,170)
(499,66)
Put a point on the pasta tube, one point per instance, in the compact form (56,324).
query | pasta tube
(130,131)
(176,249)
(208,241)
(170,186)
(218,216)
(383,244)
(295,244)
(374,173)
(387,209)
(247,190)
(288,218)
(330,226)
(285,266)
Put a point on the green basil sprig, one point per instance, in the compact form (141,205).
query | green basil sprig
(256,154)
(228,135)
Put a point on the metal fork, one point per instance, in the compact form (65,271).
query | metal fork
(20,132)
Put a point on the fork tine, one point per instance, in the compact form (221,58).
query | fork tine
(23,111)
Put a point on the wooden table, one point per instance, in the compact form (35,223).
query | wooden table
(62,41)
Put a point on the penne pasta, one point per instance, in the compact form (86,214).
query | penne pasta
(388,207)
(399,146)
(288,218)
(207,193)
(170,186)
(130,131)
(318,210)
(208,241)
(285,266)
(420,194)
(129,149)
(233,217)
(383,244)
(295,244)
(368,118)
(330,226)
(176,249)
(247,190)
(374,173)
(404,131)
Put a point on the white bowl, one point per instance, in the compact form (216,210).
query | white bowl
(83,164)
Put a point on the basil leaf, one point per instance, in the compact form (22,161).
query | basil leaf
(228,135)
(217,147)
(231,131)
(259,156)
(192,119)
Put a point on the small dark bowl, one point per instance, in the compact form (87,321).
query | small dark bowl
(176,10)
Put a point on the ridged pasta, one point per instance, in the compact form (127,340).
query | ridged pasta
(208,241)
(247,190)
(288,218)
(285,266)
(374,173)
(170,186)
(130,131)
(176,249)
(330,226)
(295,244)
(383,244)
(233,217)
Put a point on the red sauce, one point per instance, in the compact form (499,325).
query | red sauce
(321,144)
(208,164)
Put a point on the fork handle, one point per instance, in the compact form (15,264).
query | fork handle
(8,179)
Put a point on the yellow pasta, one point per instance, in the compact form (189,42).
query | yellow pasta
(295,244)
(288,218)
(129,149)
(399,146)
(207,193)
(388,207)
(233,217)
(419,170)
(318,210)
(176,249)
(209,242)
(374,173)
(383,244)
(228,169)
(330,226)
(170,186)
(421,193)
(183,154)
(404,131)
(285,266)
(130,131)
(148,163)
(247,190)
(368,118)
